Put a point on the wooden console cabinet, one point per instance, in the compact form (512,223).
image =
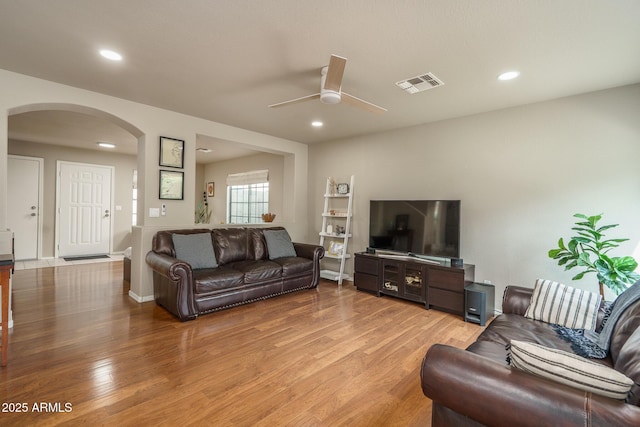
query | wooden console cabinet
(438,286)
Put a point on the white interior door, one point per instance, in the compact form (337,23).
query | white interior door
(84,209)
(24,180)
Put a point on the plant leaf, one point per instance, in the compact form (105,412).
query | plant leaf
(584,260)
(606,227)
(617,240)
(593,220)
(625,263)
(571,247)
(561,244)
(579,276)
(553,253)
(570,265)
(581,240)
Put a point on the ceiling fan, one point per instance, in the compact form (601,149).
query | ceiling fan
(330,89)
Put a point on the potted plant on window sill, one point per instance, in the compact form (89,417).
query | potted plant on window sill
(589,249)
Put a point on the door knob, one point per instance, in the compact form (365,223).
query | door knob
(33,214)
(106,213)
(33,207)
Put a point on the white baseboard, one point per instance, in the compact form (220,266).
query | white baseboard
(140,299)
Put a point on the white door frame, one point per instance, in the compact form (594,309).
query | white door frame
(41,211)
(57,210)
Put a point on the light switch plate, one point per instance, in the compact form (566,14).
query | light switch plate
(154,212)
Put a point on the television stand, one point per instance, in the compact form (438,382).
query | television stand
(432,283)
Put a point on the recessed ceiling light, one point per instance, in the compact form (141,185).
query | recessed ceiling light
(110,54)
(316,124)
(204,150)
(106,145)
(509,75)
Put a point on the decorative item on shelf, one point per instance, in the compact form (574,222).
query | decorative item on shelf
(329,229)
(340,229)
(390,286)
(614,272)
(343,188)
(268,217)
(203,214)
(413,280)
(332,186)
(336,248)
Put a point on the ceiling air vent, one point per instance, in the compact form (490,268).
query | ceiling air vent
(420,83)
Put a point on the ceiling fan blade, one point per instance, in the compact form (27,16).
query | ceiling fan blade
(335,70)
(361,103)
(295,101)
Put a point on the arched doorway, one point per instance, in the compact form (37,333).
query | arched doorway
(56,131)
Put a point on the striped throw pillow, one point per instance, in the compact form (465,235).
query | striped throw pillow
(569,369)
(553,302)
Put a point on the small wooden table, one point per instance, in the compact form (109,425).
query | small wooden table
(6,265)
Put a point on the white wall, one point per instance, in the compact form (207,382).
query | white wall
(521,173)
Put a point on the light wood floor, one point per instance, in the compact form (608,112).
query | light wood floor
(326,357)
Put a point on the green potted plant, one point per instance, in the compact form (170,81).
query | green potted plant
(588,250)
(203,214)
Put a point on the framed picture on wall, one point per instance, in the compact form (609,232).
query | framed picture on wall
(211,188)
(171,152)
(171,185)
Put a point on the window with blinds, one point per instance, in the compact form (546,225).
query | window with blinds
(247,196)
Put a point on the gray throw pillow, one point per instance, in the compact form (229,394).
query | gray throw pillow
(279,244)
(196,249)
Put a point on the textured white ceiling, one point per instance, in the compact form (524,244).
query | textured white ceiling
(227,60)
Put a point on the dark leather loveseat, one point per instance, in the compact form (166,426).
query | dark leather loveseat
(476,387)
(245,271)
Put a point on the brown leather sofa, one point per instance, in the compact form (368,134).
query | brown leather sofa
(244,274)
(476,387)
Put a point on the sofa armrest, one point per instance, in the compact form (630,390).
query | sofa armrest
(173,284)
(309,251)
(165,264)
(516,300)
(496,395)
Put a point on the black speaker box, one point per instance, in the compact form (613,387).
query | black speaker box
(478,303)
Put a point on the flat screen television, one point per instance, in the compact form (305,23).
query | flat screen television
(421,227)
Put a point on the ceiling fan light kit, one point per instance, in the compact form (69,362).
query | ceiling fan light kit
(330,97)
(331,89)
